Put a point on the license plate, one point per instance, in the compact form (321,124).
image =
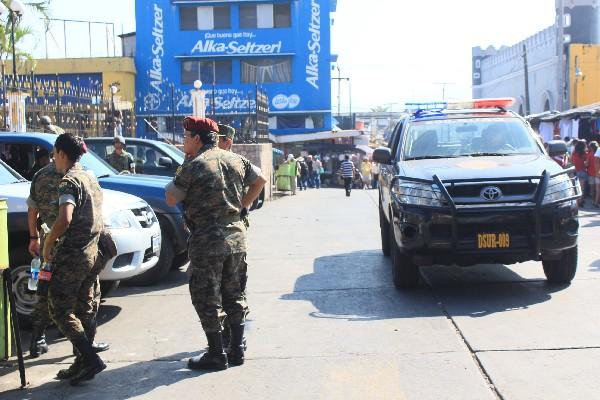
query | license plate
(493,240)
(156,244)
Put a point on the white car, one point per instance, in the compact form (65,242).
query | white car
(130,220)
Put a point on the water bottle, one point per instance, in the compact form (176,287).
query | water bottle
(34,272)
(44,279)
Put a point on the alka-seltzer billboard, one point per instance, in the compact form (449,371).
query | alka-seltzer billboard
(162,47)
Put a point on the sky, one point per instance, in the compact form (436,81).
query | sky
(392,50)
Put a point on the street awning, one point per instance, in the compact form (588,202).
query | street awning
(308,137)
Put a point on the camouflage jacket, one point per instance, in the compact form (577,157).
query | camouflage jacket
(83,191)
(211,187)
(123,162)
(43,193)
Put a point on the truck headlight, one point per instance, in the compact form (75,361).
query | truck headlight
(118,220)
(561,187)
(419,194)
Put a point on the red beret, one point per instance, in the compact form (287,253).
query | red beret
(196,124)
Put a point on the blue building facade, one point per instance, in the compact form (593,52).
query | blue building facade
(281,47)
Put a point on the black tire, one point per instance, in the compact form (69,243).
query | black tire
(562,270)
(405,273)
(384,227)
(108,286)
(161,269)
(180,260)
(25,300)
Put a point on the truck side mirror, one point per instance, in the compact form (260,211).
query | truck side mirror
(557,148)
(165,162)
(382,155)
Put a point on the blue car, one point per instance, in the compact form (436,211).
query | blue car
(18,150)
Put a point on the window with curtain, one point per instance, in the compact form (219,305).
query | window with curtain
(265,15)
(206,71)
(204,18)
(267,70)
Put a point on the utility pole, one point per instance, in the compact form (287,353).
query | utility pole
(526,71)
(560,27)
(339,80)
(444,84)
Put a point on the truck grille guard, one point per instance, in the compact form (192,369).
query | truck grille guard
(536,205)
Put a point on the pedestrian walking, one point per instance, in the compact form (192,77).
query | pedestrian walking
(310,179)
(303,176)
(591,171)
(120,159)
(294,173)
(211,187)
(318,170)
(579,159)
(347,171)
(365,171)
(78,225)
(375,173)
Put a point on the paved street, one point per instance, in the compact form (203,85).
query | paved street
(326,322)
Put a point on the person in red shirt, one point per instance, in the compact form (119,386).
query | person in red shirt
(579,160)
(593,182)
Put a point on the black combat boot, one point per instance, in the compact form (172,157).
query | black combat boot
(226,335)
(215,358)
(238,345)
(73,369)
(91,364)
(38,342)
(90,333)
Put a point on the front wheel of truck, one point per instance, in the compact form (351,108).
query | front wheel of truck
(563,269)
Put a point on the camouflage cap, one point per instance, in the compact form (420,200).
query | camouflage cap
(226,131)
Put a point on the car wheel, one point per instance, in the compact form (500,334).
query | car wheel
(180,260)
(161,269)
(405,273)
(25,300)
(384,227)
(108,286)
(562,270)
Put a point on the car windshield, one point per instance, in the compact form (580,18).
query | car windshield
(8,175)
(468,137)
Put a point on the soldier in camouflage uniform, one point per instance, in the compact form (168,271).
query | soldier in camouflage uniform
(78,226)
(226,136)
(43,209)
(211,186)
(119,159)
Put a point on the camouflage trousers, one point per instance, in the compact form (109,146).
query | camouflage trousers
(217,286)
(73,295)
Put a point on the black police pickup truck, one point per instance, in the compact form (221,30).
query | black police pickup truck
(471,183)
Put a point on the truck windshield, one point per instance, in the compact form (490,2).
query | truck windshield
(91,161)
(468,137)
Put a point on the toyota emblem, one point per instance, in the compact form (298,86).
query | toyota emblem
(491,193)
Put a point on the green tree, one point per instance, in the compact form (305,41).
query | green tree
(380,109)
(41,8)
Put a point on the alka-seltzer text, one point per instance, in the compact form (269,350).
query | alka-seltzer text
(158,50)
(314,45)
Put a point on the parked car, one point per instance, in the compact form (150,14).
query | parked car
(152,157)
(471,184)
(131,222)
(148,187)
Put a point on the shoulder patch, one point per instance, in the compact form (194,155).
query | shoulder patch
(63,184)
(178,170)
